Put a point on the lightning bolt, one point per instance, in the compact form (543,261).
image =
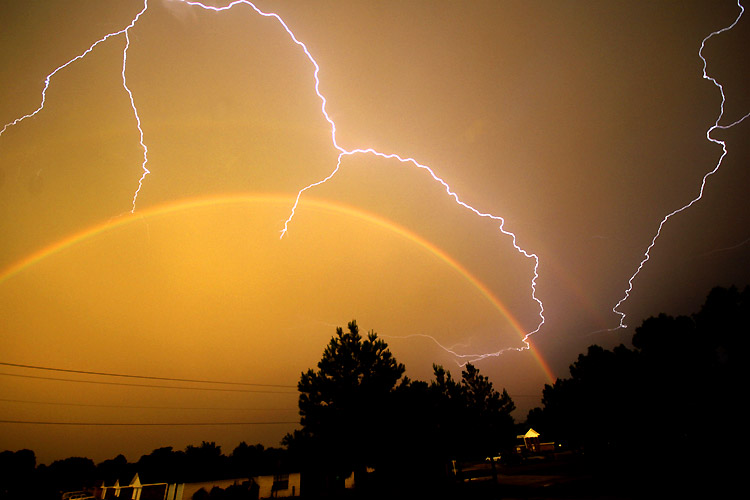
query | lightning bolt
(144,171)
(704,180)
(342,151)
(406,161)
(80,56)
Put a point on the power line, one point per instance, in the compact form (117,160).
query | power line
(216,389)
(125,375)
(139,407)
(141,424)
(171,379)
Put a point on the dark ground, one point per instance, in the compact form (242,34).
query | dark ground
(564,477)
(577,477)
(574,477)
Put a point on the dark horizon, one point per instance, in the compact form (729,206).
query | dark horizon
(581,124)
(597,426)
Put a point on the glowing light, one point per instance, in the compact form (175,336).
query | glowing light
(145,171)
(337,208)
(409,162)
(126,32)
(344,152)
(647,254)
(76,58)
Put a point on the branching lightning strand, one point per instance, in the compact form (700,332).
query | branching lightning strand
(144,170)
(344,152)
(71,61)
(706,76)
(404,160)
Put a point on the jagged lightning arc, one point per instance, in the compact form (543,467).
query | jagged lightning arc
(83,54)
(343,153)
(408,161)
(144,170)
(706,76)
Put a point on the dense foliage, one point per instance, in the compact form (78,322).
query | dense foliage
(358,412)
(344,403)
(21,478)
(670,408)
(673,403)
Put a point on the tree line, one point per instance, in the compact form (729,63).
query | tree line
(670,405)
(21,478)
(359,413)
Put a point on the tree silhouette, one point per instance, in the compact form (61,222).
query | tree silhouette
(116,468)
(16,473)
(69,474)
(489,423)
(446,420)
(205,462)
(677,395)
(344,403)
(163,463)
(357,411)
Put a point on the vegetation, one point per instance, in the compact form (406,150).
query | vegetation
(21,478)
(358,412)
(669,407)
(344,403)
(672,406)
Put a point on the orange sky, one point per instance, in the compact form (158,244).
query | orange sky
(581,123)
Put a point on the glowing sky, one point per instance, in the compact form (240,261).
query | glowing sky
(581,123)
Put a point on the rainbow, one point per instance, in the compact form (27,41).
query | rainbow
(328,206)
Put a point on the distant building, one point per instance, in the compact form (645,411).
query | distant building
(136,490)
(273,486)
(185,491)
(278,485)
(77,495)
(530,444)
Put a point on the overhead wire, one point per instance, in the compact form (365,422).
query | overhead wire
(100,382)
(148,377)
(141,407)
(142,424)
